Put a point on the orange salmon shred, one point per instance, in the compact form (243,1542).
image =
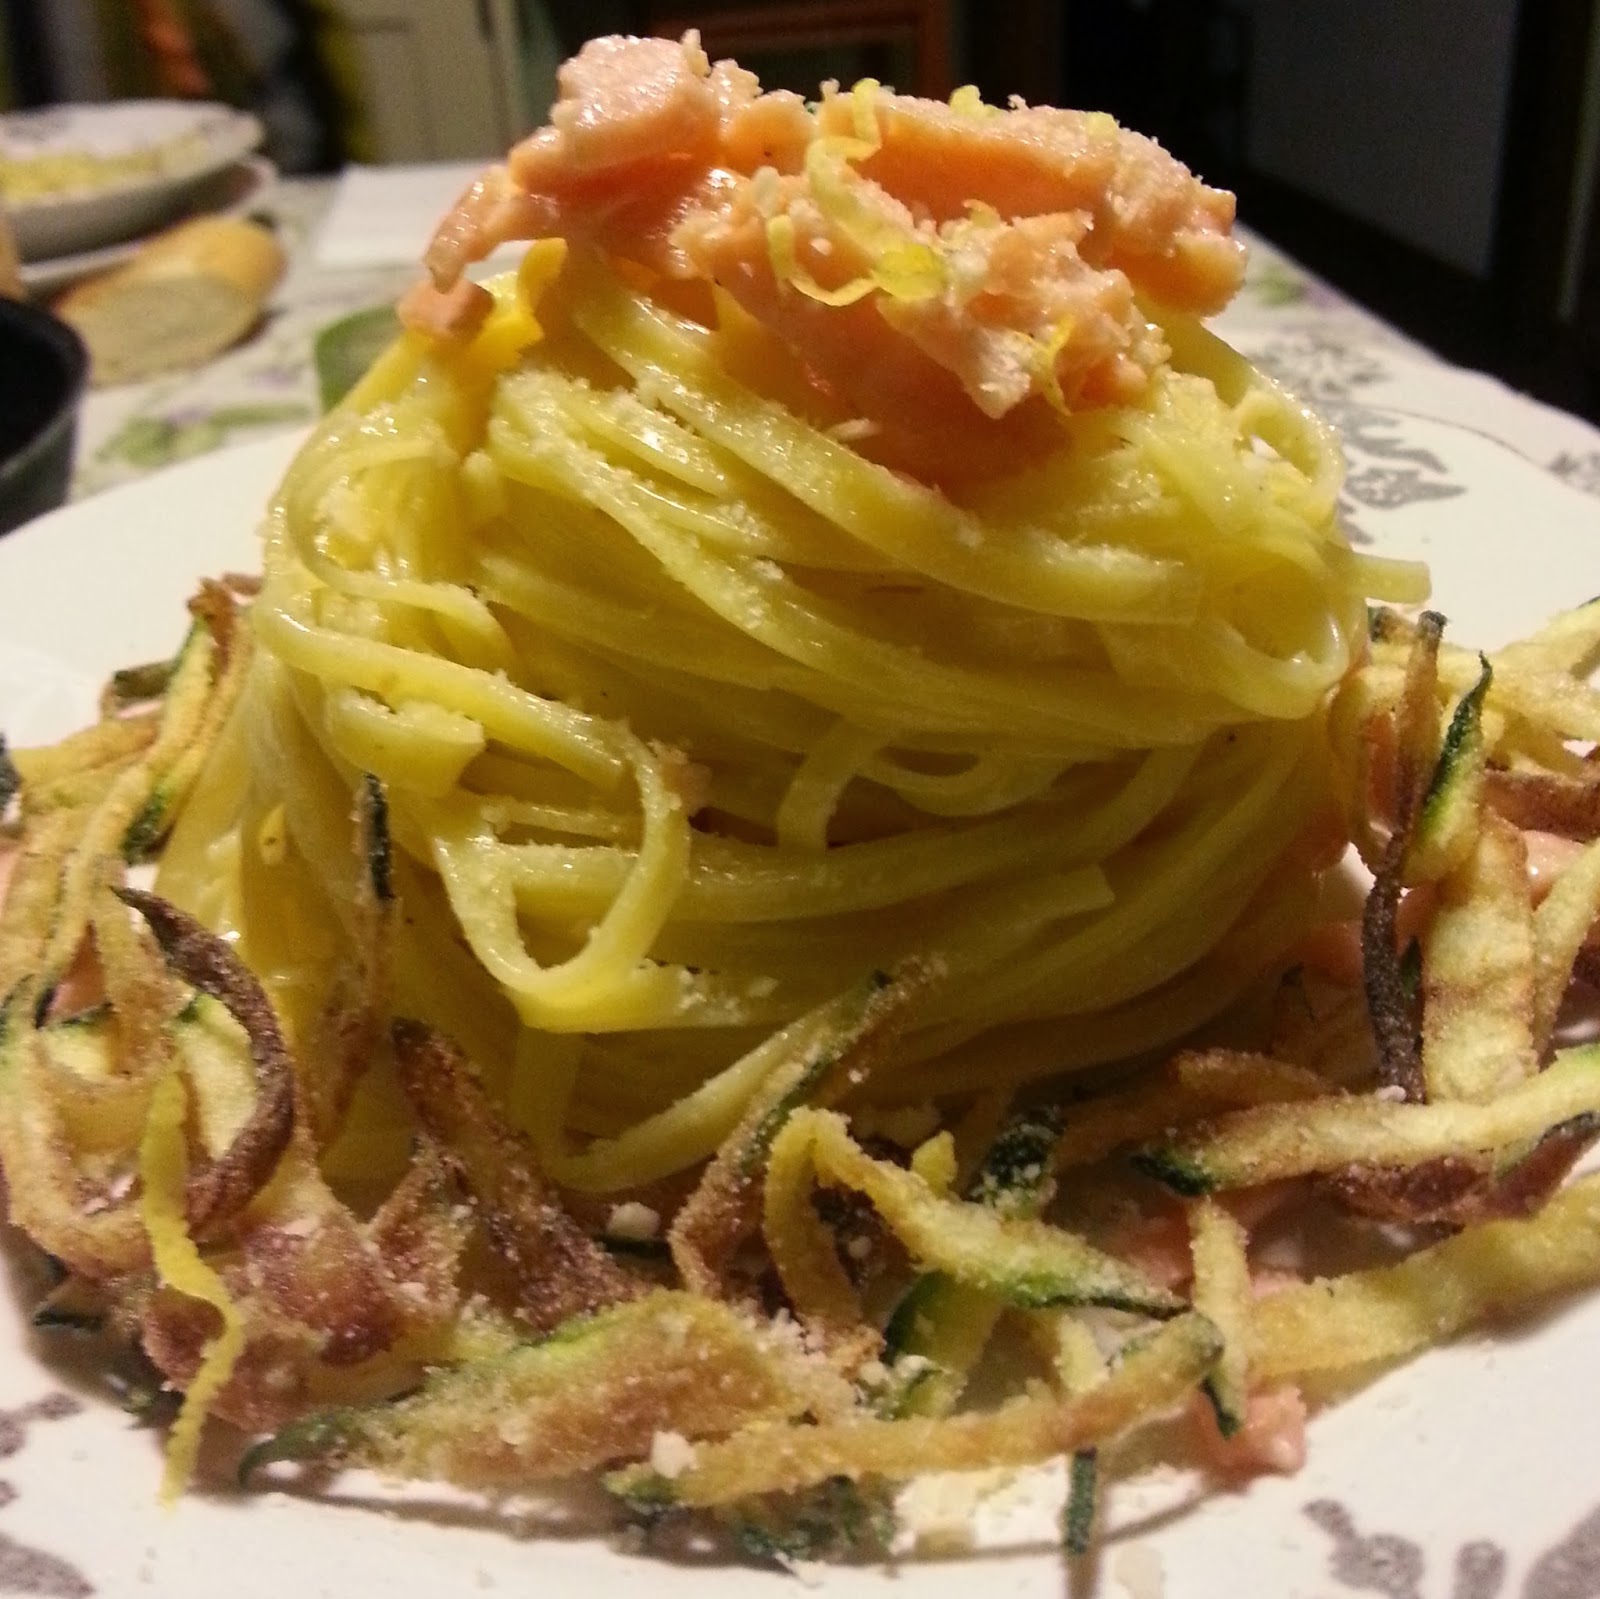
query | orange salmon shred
(924,257)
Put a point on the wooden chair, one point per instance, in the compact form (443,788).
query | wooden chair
(877,30)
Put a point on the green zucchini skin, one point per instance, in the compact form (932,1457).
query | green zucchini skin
(1083,1495)
(10,778)
(1447,818)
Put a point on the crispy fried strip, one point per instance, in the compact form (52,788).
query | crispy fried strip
(1548,802)
(10,778)
(208,963)
(420,1232)
(1074,1352)
(561,1272)
(1416,752)
(1560,926)
(1478,972)
(1016,1259)
(945,1325)
(801,1247)
(1462,1191)
(1194,1083)
(1447,819)
(1152,1377)
(163,1164)
(354,1022)
(47,1196)
(598,1390)
(841,1049)
(83,790)
(1416,748)
(131,814)
(1566,643)
(1223,1294)
(1393,1311)
(142,993)
(135,685)
(103,747)
(31,899)
(1260,1145)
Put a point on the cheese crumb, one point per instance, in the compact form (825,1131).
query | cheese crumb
(633,1221)
(671,1454)
(1137,1569)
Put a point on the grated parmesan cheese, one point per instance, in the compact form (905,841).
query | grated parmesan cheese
(671,1454)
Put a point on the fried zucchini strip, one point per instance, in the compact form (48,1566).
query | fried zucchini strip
(351,1029)
(1549,802)
(838,1047)
(1222,1293)
(597,1390)
(164,1167)
(80,769)
(1446,821)
(1269,1142)
(1153,1376)
(46,1193)
(1393,1311)
(560,1271)
(1192,1084)
(1478,962)
(1079,1367)
(1416,742)
(1015,1259)
(43,928)
(1560,926)
(944,1325)
(208,963)
(10,778)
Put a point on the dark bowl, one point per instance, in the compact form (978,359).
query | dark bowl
(43,369)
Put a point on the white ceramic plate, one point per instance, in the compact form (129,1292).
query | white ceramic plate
(232,192)
(1473,1474)
(186,142)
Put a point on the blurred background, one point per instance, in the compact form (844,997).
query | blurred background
(1435,159)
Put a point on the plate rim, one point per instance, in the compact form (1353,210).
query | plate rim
(229,119)
(324,1528)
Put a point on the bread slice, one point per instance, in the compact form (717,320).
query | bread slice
(10,266)
(188,295)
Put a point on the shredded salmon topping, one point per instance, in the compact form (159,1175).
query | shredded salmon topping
(910,251)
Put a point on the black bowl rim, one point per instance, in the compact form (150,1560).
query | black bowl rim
(62,341)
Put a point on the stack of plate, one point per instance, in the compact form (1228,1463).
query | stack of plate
(85,185)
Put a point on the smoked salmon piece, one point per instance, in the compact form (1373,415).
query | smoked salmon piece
(921,258)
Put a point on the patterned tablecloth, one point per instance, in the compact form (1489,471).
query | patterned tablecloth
(1358,371)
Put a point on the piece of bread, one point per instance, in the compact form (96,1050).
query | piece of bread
(187,296)
(10,267)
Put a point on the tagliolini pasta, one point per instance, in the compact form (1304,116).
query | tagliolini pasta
(689,713)
(808,661)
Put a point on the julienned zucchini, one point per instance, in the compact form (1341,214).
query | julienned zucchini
(1148,1380)
(191,681)
(10,778)
(939,1328)
(806,1076)
(1015,1259)
(372,805)
(1017,1177)
(598,1389)
(1447,820)
(83,1047)
(1269,1142)
(1223,1293)
(1479,972)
